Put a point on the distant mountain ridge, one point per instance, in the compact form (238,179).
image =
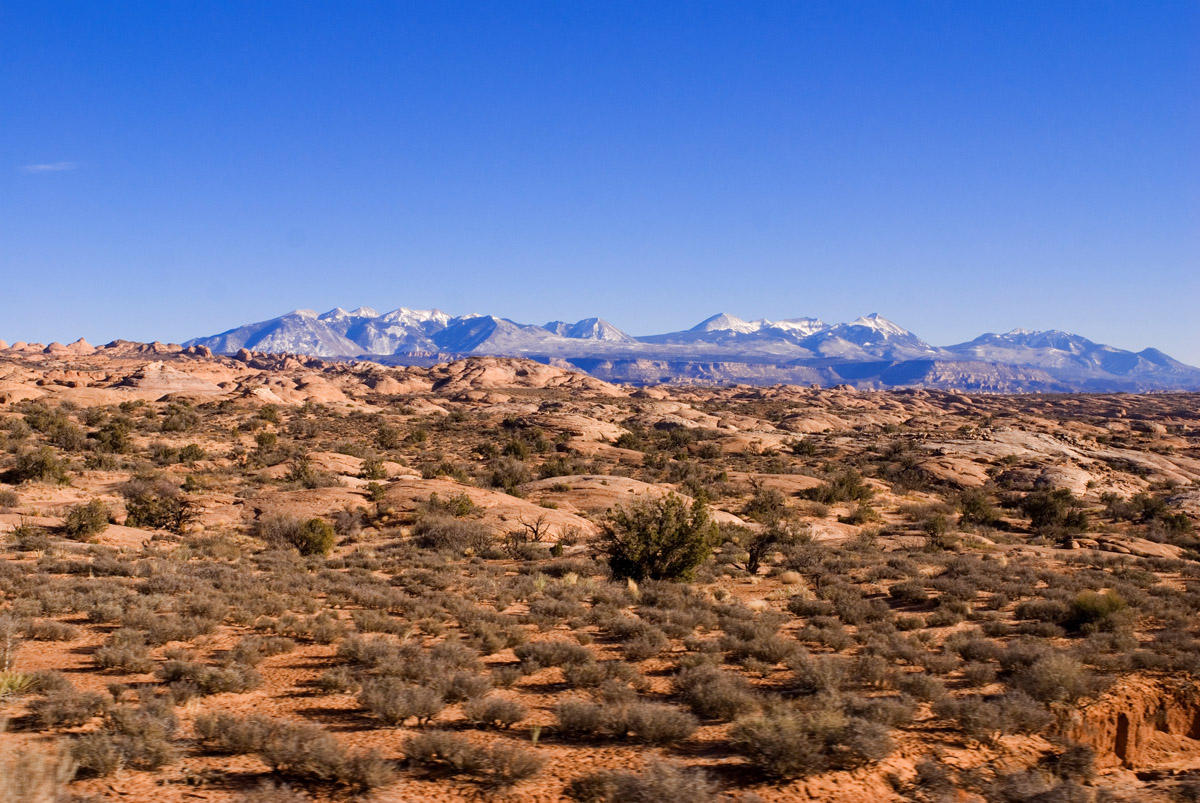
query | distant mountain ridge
(870,351)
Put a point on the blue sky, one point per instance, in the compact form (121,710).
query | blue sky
(170,170)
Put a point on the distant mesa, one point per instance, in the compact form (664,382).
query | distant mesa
(868,352)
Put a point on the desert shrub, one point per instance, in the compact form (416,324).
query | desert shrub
(1034,785)
(659,782)
(143,733)
(592,674)
(316,537)
(647,644)
(84,521)
(231,734)
(538,654)
(338,680)
(975,508)
(445,751)
(499,766)
(649,723)
(393,701)
(910,592)
(655,723)
(309,537)
(305,474)
(252,650)
(372,468)
(66,707)
(816,674)
(209,679)
(508,764)
(8,498)
(921,685)
(96,754)
(978,673)
(1090,612)
(155,504)
(50,630)
(449,534)
(1055,510)
(712,693)
(30,537)
(657,539)
(40,465)
(581,719)
(795,743)
(508,473)
(125,650)
(1053,678)
(988,718)
(1076,762)
(310,753)
(462,686)
(494,711)
(847,486)
(458,506)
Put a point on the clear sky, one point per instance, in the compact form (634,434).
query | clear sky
(170,170)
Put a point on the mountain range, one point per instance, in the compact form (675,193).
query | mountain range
(869,352)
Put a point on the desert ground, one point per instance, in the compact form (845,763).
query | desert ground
(272,578)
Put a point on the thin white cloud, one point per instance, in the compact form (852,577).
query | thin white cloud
(49,167)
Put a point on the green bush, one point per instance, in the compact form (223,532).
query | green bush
(41,465)
(848,486)
(312,537)
(657,539)
(155,504)
(1091,611)
(84,521)
(1054,510)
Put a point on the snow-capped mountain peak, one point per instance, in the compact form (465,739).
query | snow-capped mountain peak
(870,350)
(724,322)
(882,325)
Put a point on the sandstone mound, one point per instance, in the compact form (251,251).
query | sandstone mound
(486,373)
(500,511)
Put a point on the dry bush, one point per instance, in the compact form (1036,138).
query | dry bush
(500,765)
(795,743)
(231,734)
(310,753)
(659,782)
(449,534)
(394,701)
(66,707)
(206,679)
(493,711)
(538,654)
(133,736)
(125,650)
(647,723)
(712,693)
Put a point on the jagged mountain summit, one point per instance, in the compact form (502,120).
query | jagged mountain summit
(870,351)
